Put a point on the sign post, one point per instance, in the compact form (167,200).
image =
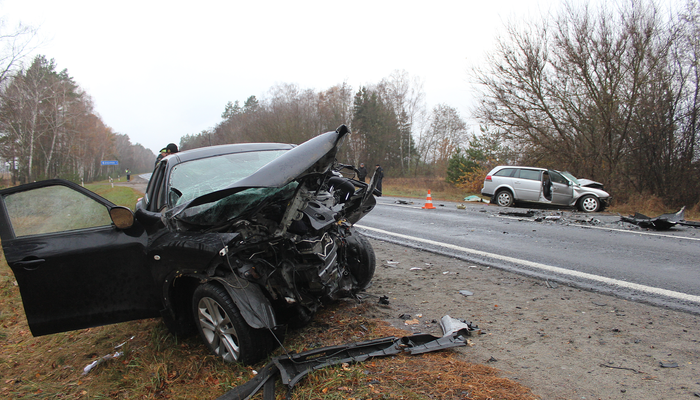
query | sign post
(110,162)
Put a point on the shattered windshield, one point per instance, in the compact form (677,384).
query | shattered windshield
(196,178)
(236,205)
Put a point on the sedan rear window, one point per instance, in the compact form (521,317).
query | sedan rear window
(530,174)
(505,172)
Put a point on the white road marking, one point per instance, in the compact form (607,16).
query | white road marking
(544,267)
(399,205)
(639,233)
(601,228)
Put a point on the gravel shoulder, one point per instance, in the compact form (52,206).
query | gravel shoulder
(563,342)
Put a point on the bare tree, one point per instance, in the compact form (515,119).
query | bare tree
(406,97)
(446,133)
(15,44)
(598,92)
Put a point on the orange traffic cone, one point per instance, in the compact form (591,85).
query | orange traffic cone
(428,202)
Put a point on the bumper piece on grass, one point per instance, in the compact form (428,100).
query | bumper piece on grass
(291,368)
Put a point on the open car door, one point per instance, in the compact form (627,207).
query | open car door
(74,266)
(562,189)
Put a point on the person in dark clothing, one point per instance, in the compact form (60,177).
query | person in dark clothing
(166,151)
(361,172)
(379,175)
(163,152)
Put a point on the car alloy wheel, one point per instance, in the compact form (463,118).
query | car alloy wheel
(224,330)
(504,198)
(217,329)
(589,204)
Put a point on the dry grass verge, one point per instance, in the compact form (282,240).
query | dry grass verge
(418,188)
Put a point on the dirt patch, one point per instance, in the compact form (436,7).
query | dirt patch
(563,342)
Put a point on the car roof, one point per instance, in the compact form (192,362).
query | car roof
(520,166)
(211,151)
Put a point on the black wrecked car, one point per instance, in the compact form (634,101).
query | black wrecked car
(236,242)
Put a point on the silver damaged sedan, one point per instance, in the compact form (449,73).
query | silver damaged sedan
(506,185)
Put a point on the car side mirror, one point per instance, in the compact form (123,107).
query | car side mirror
(122,217)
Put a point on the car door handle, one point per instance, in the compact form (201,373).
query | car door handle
(30,265)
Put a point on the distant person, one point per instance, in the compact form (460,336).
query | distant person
(379,175)
(128,175)
(361,172)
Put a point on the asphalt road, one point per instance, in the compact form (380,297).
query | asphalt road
(592,251)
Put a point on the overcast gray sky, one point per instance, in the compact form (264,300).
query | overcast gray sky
(158,70)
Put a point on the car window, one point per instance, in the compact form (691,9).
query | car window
(530,174)
(159,191)
(153,185)
(571,177)
(557,177)
(505,172)
(53,209)
(195,178)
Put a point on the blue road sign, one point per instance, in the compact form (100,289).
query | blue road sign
(111,162)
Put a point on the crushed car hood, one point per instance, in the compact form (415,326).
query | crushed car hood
(315,156)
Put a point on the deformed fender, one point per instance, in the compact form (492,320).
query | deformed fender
(255,308)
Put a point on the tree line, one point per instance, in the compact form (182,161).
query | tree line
(388,120)
(48,126)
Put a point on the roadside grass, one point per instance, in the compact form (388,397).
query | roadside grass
(119,195)
(418,188)
(440,190)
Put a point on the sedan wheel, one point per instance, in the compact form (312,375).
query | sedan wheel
(224,330)
(589,203)
(504,198)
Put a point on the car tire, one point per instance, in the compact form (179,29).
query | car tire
(589,203)
(224,330)
(504,198)
(361,261)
